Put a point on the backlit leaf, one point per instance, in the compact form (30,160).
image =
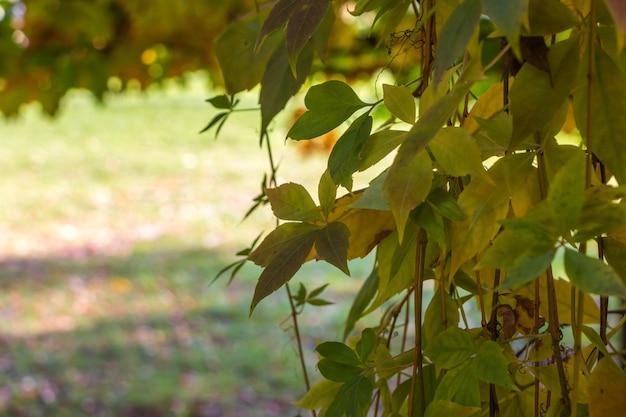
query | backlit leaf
(330,104)
(456,34)
(491,366)
(407,185)
(379,145)
(278,16)
(331,245)
(293,202)
(592,275)
(344,159)
(527,268)
(547,17)
(457,152)
(507,15)
(450,348)
(320,395)
(618,11)
(400,102)
(433,316)
(606,388)
(327,193)
(367,227)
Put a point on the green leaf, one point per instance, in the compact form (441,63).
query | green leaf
(615,254)
(303,22)
(220,102)
(283,237)
(320,395)
(317,291)
(374,196)
(330,104)
(608,97)
(526,269)
(234,49)
(439,408)
(507,15)
(283,266)
(457,152)
(566,195)
(353,399)
(492,367)
(367,344)
(339,372)
(338,352)
(547,17)
(331,245)
(450,348)
(536,96)
(592,275)
(444,203)
(460,385)
(379,145)
(215,120)
(327,193)
(345,157)
(604,212)
(293,202)
(400,102)
(407,185)
(595,338)
(279,83)
(433,317)
(427,218)
(362,299)
(455,35)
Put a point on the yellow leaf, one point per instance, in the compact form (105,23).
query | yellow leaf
(607,385)
(487,105)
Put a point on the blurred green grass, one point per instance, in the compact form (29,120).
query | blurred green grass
(114,221)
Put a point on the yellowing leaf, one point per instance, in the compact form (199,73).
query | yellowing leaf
(400,102)
(327,193)
(320,395)
(367,227)
(607,385)
(457,152)
(379,145)
(408,184)
(488,104)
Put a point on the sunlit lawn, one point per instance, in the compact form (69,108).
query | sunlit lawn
(114,220)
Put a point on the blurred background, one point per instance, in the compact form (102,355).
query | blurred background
(116,215)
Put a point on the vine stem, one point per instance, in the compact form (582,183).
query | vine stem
(553,314)
(417,382)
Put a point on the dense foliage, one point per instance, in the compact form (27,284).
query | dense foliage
(504,194)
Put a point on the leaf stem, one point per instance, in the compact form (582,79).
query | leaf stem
(418,371)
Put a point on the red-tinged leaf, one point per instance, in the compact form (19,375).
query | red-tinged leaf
(407,185)
(283,266)
(331,245)
(285,236)
(293,202)
(303,21)
(279,15)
